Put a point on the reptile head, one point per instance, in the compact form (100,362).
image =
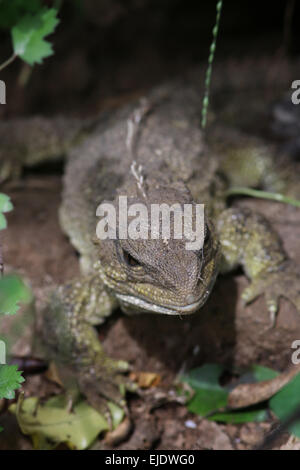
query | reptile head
(159,275)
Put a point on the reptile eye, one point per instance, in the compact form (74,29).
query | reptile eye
(129,259)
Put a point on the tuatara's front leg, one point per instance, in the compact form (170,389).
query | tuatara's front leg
(72,341)
(247,239)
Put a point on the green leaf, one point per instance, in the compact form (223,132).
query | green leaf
(5,206)
(261,373)
(5,203)
(241,416)
(207,401)
(210,396)
(13,291)
(3,222)
(29,33)
(10,380)
(256,373)
(51,423)
(206,376)
(286,401)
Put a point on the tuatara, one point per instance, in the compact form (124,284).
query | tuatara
(176,165)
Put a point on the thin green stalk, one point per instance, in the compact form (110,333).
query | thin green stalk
(263,195)
(8,61)
(212,49)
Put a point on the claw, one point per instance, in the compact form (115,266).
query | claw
(251,293)
(272,302)
(104,383)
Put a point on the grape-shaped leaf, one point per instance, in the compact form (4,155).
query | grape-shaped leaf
(5,206)
(12,292)
(29,33)
(10,380)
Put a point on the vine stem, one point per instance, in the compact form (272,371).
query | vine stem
(8,61)
(262,194)
(212,50)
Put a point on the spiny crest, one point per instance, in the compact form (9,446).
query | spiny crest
(137,173)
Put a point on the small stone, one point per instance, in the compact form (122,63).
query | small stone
(190,424)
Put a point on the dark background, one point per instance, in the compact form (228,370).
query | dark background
(107,50)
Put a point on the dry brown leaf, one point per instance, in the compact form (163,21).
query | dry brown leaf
(249,394)
(145,379)
(119,434)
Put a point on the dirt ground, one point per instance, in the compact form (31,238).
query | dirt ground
(224,331)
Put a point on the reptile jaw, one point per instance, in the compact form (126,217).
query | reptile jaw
(130,300)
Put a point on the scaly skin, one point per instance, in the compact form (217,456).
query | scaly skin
(154,275)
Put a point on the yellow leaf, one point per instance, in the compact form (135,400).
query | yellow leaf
(51,423)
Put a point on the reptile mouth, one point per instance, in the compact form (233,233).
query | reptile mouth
(130,300)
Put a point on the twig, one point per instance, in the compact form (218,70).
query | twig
(8,61)
(212,49)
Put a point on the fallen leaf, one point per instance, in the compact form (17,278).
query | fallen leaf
(244,395)
(145,379)
(118,435)
(210,398)
(51,423)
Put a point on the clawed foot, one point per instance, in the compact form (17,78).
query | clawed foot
(285,282)
(106,382)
